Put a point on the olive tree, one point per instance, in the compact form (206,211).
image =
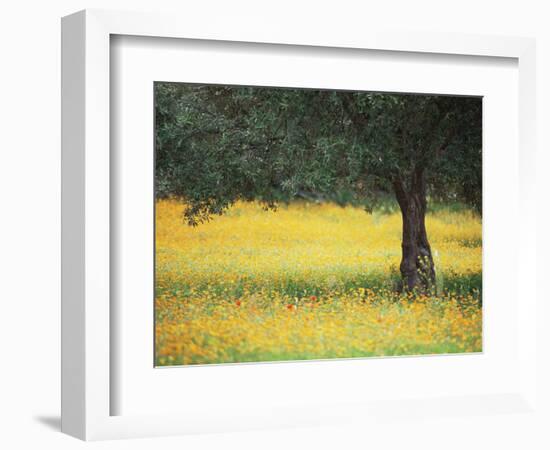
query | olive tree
(219,144)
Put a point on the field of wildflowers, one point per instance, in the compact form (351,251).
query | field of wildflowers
(309,281)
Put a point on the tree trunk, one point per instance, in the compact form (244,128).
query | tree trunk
(417,266)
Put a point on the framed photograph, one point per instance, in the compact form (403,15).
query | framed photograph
(267,228)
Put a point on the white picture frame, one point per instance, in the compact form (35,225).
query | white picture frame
(87,328)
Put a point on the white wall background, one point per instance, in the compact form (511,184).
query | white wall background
(30,198)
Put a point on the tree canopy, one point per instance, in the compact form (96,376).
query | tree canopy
(217,144)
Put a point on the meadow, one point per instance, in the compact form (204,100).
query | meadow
(310,281)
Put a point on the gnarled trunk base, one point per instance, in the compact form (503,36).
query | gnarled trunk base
(417,266)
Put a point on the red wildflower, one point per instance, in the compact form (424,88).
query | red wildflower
(313,298)
(238,303)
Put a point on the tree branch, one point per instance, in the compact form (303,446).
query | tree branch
(400,193)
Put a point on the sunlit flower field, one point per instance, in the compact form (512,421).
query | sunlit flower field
(309,281)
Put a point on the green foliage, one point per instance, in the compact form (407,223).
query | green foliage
(219,144)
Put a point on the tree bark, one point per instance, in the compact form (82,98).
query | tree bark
(417,266)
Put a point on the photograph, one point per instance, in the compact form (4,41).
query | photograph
(298,224)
